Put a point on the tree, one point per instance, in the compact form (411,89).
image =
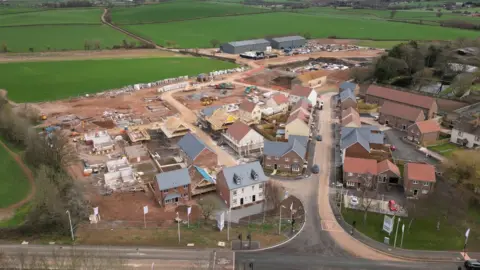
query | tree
(4,47)
(369,193)
(422,78)
(463,168)
(214,42)
(87,45)
(97,44)
(133,44)
(462,83)
(207,206)
(393,13)
(125,44)
(387,68)
(439,14)
(30,49)
(361,74)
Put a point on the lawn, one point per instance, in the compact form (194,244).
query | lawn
(40,81)
(18,218)
(198,33)
(445,149)
(14,185)
(11,10)
(175,11)
(43,38)
(57,16)
(423,233)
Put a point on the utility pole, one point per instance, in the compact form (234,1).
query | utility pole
(228,227)
(280,221)
(396,232)
(71,227)
(178,226)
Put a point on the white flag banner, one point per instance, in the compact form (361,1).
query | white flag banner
(291,207)
(95,211)
(403,228)
(221,221)
(189,210)
(145,209)
(153,265)
(467,233)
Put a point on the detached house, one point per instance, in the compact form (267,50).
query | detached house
(361,142)
(278,103)
(399,116)
(288,157)
(173,187)
(250,112)
(466,131)
(242,184)
(419,179)
(297,124)
(358,172)
(195,152)
(378,95)
(424,132)
(347,99)
(243,139)
(298,92)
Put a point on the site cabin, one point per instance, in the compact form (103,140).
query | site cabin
(399,116)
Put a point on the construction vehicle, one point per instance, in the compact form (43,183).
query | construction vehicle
(43,117)
(207,100)
(249,89)
(224,86)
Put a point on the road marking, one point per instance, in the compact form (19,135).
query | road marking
(330,226)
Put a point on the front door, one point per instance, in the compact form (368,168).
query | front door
(241,201)
(253,198)
(386,122)
(275,166)
(415,192)
(404,127)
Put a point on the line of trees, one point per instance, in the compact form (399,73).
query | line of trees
(49,156)
(68,4)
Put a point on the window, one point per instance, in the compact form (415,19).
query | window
(426,184)
(234,201)
(253,187)
(269,157)
(350,174)
(185,186)
(295,160)
(277,158)
(415,182)
(460,134)
(424,191)
(287,159)
(296,168)
(477,138)
(260,187)
(260,194)
(234,193)
(269,165)
(165,191)
(350,184)
(286,166)
(242,190)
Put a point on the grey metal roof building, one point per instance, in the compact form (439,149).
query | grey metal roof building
(191,145)
(244,175)
(288,42)
(237,47)
(173,179)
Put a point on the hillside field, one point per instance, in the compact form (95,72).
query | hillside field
(14,185)
(42,81)
(53,16)
(198,33)
(58,38)
(175,11)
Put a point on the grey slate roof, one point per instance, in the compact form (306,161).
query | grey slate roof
(210,110)
(347,85)
(191,145)
(173,179)
(248,42)
(363,135)
(298,144)
(347,94)
(244,173)
(288,38)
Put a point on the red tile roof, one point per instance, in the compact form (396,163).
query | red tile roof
(238,130)
(387,165)
(400,96)
(302,103)
(247,106)
(349,111)
(360,165)
(428,126)
(301,91)
(420,172)
(280,98)
(401,111)
(299,114)
(352,118)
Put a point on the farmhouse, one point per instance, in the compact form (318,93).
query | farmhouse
(399,116)
(242,139)
(242,184)
(237,47)
(298,92)
(195,152)
(419,179)
(287,42)
(287,157)
(424,132)
(173,187)
(378,95)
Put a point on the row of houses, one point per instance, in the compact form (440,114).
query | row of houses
(366,159)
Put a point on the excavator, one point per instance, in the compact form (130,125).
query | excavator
(207,100)
(249,89)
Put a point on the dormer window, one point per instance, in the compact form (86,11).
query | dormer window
(254,175)
(237,179)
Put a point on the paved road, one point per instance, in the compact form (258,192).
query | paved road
(404,150)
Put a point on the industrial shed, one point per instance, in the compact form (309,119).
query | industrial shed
(287,42)
(237,47)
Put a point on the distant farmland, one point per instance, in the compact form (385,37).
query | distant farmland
(41,81)
(174,11)
(198,33)
(53,16)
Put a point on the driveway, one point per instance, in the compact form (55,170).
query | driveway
(404,150)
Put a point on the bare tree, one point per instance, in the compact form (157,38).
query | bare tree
(369,192)
(274,195)
(214,42)
(4,47)
(207,206)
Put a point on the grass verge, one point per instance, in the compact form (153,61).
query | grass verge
(14,185)
(445,149)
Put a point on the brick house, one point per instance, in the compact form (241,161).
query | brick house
(278,102)
(347,99)
(361,142)
(378,95)
(350,118)
(173,187)
(288,157)
(298,92)
(302,105)
(424,132)
(242,184)
(361,171)
(418,179)
(399,116)
(250,112)
(195,152)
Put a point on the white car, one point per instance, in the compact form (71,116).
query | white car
(353,200)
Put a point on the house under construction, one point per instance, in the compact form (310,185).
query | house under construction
(138,135)
(174,127)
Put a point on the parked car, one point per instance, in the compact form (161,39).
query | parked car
(354,200)
(472,264)
(393,148)
(319,137)
(392,205)
(375,118)
(315,169)
(339,185)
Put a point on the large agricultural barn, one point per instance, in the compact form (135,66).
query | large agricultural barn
(236,47)
(287,42)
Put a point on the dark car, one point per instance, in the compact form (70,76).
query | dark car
(319,137)
(472,264)
(315,169)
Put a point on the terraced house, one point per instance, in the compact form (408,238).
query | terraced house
(399,116)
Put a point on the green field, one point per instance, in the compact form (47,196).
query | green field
(379,44)
(40,81)
(198,33)
(41,38)
(175,11)
(11,10)
(14,185)
(60,16)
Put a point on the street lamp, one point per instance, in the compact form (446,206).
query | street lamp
(280,220)
(71,227)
